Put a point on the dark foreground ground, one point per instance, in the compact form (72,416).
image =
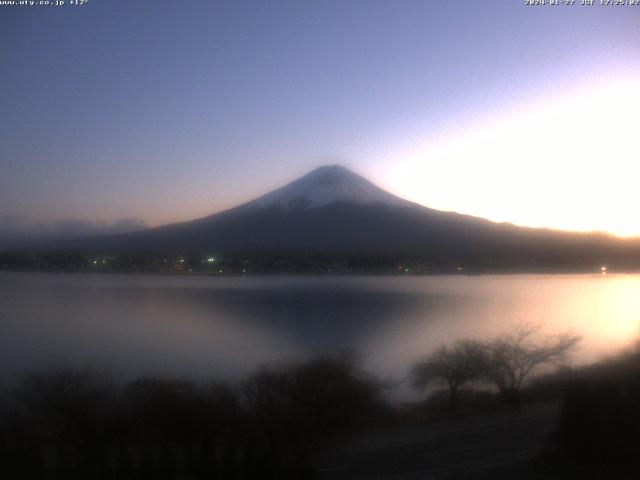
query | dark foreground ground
(319,420)
(500,445)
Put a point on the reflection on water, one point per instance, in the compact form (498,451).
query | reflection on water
(204,327)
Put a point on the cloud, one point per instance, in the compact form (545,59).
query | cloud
(17,228)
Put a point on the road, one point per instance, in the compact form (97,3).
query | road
(487,446)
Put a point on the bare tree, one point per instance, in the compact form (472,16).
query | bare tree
(511,359)
(453,366)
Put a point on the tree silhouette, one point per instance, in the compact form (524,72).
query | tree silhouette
(453,366)
(295,411)
(511,359)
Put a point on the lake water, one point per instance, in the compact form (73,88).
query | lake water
(224,327)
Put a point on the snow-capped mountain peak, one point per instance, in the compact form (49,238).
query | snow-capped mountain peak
(324,186)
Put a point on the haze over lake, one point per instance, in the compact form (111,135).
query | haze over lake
(225,327)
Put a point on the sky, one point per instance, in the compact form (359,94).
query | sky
(121,112)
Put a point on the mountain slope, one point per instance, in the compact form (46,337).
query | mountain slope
(334,212)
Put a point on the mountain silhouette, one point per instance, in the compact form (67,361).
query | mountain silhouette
(333,212)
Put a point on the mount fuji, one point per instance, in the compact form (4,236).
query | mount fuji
(334,213)
(324,186)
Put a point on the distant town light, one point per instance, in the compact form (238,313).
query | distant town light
(603,270)
(211,259)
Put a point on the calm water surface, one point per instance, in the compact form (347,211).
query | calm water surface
(223,328)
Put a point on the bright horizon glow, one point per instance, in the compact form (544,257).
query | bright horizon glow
(567,163)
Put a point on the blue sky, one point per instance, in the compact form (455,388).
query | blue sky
(168,111)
